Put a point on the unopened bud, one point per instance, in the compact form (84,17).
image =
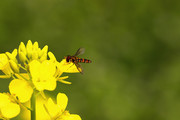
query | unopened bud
(22,57)
(43,57)
(14,54)
(29,47)
(14,66)
(22,48)
(35,46)
(35,55)
(43,51)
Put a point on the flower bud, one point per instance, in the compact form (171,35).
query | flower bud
(35,46)
(22,48)
(22,57)
(14,66)
(43,51)
(4,64)
(12,56)
(29,47)
(43,57)
(34,55)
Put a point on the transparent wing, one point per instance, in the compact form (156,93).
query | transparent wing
(80,51)
(80,69)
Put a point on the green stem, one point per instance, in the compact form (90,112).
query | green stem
(33,107)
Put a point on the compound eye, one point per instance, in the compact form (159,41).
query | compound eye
(68,59)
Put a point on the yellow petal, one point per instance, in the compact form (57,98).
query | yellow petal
(34,67)
(52,108)
(41,113)
(44,69)
(74,117)
(51,84)
(4,99)
(22,89)
(70,117)
(68,67)
(48,67)
(10,110)
(47,84)
(52,57)
(62,101)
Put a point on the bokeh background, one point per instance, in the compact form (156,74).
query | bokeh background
(134,46)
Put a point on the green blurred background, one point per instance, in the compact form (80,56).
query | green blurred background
(134,46)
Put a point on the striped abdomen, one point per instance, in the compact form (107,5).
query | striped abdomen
(82,60)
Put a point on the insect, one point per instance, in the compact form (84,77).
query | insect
(74,59)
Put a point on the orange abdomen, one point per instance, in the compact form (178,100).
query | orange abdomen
(82,60)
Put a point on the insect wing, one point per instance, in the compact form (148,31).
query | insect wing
(80,51)
(80,69)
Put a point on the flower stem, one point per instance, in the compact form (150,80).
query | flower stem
(33,107)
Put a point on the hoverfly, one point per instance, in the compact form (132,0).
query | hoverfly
(74,59)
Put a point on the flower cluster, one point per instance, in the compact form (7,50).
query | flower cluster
(34,70)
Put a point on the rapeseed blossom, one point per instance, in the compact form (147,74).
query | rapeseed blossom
(34,70)
(57,111)
(6,60)
(42,73)
(9,107)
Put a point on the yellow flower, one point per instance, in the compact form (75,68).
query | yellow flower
(8,107)
(8,63)
(57,111)
(4,65)
(43,74)
(32,52)
(43,77)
